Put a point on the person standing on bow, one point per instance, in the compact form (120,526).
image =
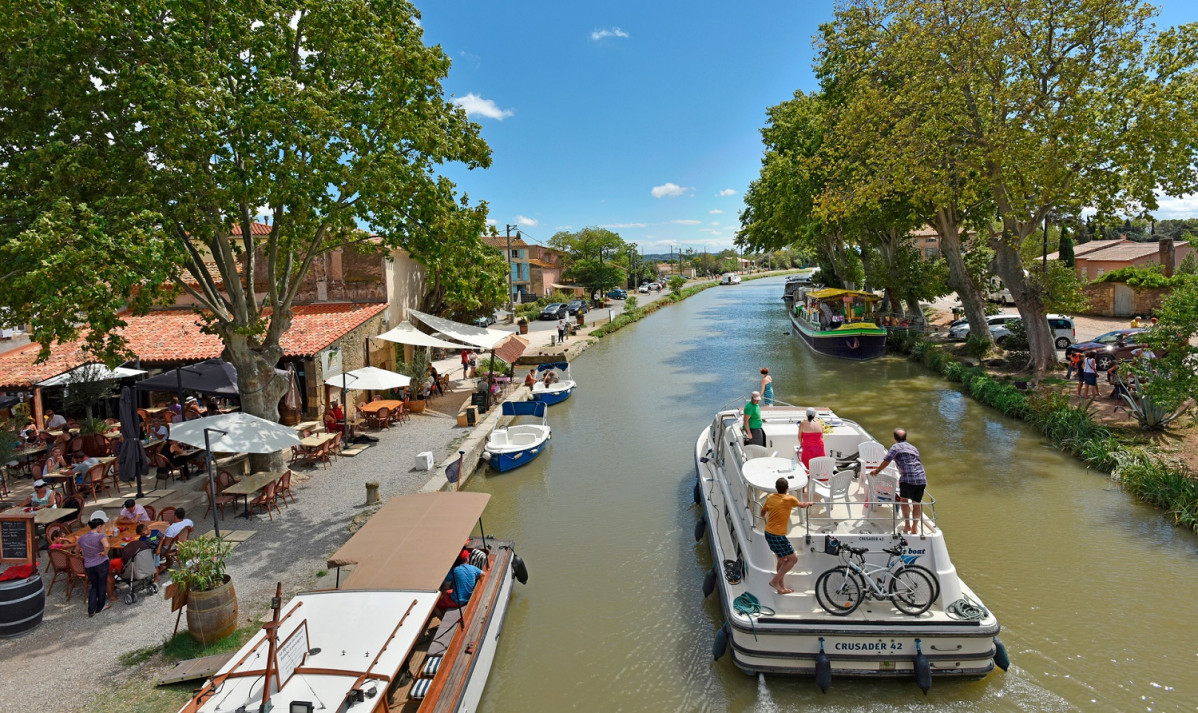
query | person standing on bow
(811,437)
(753,430)
(912,479)
(767,387)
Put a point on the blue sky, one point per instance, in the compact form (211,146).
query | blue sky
(642,117)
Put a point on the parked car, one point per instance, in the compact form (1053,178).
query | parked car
(556,310)
(655,286)
(643,289)
(578,307)
(484,321)
(960,329)
(1063,331)
(1109,348)
(618,294)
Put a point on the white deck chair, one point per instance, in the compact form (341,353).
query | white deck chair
(871,454)
(755,451)
(821,468)
(882,490)
(836,489)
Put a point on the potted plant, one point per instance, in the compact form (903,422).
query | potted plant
(522,323)
(92,432)
(211,599)
(417,371)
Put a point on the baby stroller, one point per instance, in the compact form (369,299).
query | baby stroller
(138,575)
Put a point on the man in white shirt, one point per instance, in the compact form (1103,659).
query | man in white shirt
(54,421)
(181,522)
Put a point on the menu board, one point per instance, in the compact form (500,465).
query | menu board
(16,539)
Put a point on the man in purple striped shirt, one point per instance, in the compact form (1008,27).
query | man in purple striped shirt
(912,479)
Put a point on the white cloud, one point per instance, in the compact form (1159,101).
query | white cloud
(668,190)
(1176,207)
(715,222)
(613,32)
(264,211)
(617,226)
(686,222)
(726,192)
(715,211)
(527,222)
(564,227)
(256,24)
(492,221)
(476,105)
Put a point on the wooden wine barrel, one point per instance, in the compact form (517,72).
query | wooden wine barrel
(212,615)
(22,603)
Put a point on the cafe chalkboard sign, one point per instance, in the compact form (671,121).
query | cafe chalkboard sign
(16,539)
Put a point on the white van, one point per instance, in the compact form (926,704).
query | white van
(1063,331)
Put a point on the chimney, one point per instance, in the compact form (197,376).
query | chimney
(1165,250)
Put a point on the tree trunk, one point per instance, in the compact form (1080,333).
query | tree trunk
(917,318)
(1028,301)
(958,276)
(259,387)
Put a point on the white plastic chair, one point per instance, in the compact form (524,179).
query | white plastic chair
(882,490)
(836,489)
(871,454)
(755,451)
(821,468)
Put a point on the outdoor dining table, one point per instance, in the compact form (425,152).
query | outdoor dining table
(44,516)
(304,428)
(118,535)
(26,454)
(374,406)
(248,486)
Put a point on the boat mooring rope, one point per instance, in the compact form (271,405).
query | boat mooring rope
(748,605)
(966,608)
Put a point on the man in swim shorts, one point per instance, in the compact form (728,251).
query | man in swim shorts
(776,512)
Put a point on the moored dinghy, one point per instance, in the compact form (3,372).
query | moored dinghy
(375,644)
(561,383)
(513,446)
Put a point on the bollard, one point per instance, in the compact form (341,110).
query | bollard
(372,494)
(552,339)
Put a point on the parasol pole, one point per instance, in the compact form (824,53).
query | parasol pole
(211,479)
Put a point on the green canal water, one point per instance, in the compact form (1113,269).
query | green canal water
(1097,594)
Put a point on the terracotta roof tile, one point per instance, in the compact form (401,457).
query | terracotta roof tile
(170,337)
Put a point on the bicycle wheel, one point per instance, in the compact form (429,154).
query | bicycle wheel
(911,591)
(930,575)
(839,591)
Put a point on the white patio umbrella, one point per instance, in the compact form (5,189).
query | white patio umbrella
(236,432)
(369,378)
(92,371)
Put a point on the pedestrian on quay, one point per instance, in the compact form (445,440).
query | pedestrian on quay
(94,547)
(753,431)
(531,379)
(465,364)
(912,479)
(767,387)
(1071,365)
(776,512)
(1090,375)
(561,331)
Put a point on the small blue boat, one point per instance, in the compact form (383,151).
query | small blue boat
(554,383)
(514,446)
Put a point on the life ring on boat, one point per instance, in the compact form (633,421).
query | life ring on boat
(853,343)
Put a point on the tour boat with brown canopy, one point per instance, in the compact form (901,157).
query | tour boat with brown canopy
(375,643)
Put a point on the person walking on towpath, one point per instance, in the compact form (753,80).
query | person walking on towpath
(561,331)
(776,512)
(753,431)
(912,479)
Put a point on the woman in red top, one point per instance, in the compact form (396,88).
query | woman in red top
(811,437)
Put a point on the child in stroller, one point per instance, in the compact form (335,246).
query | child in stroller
(138,573)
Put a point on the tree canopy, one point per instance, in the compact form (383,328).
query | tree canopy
(592,257)
(139,142)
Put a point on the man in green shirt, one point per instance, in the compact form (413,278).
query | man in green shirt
(753,420)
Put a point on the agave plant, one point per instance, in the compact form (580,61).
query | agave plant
(1151,415)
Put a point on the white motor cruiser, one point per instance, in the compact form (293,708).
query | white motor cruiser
(863,624)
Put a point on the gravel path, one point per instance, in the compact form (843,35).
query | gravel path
(62,660)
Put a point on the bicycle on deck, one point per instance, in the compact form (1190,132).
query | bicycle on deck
(840,590)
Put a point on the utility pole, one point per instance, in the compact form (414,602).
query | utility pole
(511,311)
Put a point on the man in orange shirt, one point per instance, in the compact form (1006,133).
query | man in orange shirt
(776,512)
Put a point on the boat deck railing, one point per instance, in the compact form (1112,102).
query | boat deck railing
(862,516)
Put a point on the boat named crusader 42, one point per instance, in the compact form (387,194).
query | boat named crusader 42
(561,383)
(513,446)
(375,644)
(838,323)
(892,605)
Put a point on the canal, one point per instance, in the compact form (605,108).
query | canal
(1096,593)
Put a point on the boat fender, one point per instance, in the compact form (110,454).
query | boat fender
(519,570)
(700,527)
(923,669)
(486,455)
(1001,659)
(823,668)
(720,645)
(698,493)
(709,582)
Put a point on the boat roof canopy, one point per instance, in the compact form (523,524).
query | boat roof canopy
(832,292)
(411,542)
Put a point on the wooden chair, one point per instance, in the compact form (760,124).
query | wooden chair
(165,469)
(95,479)
(380,419)
(284,487)
(166,553)
(72,569)
(223,480)
(77,502)
(266,499)
(335,444)
(168,515)
(60,560)
(112,470)
(184,534)
(217,499)
(51,530)
(151,512)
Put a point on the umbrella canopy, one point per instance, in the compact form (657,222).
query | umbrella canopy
(242,433)
(214,377)
(406,333)
(291,399)
(131,455)
(91,371)
(477,336)
(369,378)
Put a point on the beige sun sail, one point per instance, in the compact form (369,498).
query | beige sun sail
(406,333)
(475,336)
(411,542)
